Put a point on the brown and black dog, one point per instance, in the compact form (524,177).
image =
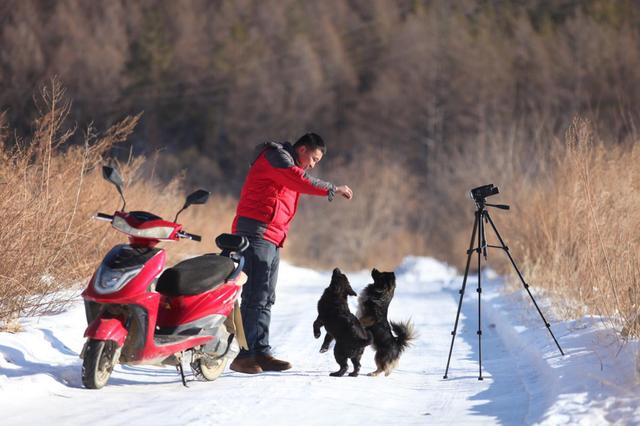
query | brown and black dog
(341,324)
(373,305)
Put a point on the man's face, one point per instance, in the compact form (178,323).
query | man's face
(308,158)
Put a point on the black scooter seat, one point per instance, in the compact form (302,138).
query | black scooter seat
(195,276)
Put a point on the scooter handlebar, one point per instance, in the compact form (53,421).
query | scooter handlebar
(194,237)
(103,216)
(181,234)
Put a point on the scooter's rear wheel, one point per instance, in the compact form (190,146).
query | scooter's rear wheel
(98,363)
(208,370)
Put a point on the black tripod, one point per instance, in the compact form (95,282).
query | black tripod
(481,218)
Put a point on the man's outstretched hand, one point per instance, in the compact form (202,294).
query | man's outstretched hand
(345,191)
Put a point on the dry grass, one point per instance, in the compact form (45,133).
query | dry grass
(578,228)
(48,194)
(574,227)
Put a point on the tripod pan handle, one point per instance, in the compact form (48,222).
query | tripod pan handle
(499,206)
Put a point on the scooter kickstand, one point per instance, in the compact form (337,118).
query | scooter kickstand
(181,370)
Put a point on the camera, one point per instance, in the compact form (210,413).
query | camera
(480,193)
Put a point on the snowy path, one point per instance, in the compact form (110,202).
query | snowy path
(526,379)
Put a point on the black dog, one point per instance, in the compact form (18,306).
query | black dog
(341,324)
(373,305)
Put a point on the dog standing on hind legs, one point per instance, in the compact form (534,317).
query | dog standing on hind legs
(373,305)
(341,324)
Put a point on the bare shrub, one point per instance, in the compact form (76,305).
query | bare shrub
(48,193)
(44,224)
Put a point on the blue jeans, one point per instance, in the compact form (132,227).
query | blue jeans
(258,294)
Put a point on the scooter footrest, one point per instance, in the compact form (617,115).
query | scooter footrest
(168,339)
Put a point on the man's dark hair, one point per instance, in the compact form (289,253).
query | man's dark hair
(312,141)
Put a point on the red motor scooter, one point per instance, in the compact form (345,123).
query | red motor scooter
(139,314)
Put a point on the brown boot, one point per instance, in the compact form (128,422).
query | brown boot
(247,365)
(269,363)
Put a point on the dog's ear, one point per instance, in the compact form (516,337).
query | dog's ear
(351,291)
(375,274)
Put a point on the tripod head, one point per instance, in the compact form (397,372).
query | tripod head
(480,193)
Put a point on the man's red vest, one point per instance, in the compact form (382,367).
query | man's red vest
(269,197)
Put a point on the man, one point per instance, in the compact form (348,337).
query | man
(267,205)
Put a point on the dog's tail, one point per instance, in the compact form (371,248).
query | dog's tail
(405,334)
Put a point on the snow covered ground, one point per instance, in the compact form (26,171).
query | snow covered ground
(526,380)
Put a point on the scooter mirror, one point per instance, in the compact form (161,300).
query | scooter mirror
(111,174)
(198,197)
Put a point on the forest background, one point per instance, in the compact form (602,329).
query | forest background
(418,101)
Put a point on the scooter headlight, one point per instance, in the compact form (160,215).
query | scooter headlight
(111,280)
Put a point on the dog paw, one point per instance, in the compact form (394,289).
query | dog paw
(353,374)
(337,374)
(323,350)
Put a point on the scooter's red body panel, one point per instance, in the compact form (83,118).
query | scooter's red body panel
(107,329)
(183,309)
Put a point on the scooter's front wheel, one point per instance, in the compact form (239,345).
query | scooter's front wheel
(208,370)
(99,360)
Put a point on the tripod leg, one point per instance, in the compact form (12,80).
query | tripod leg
(526,286)
(464,285)
(482,246)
